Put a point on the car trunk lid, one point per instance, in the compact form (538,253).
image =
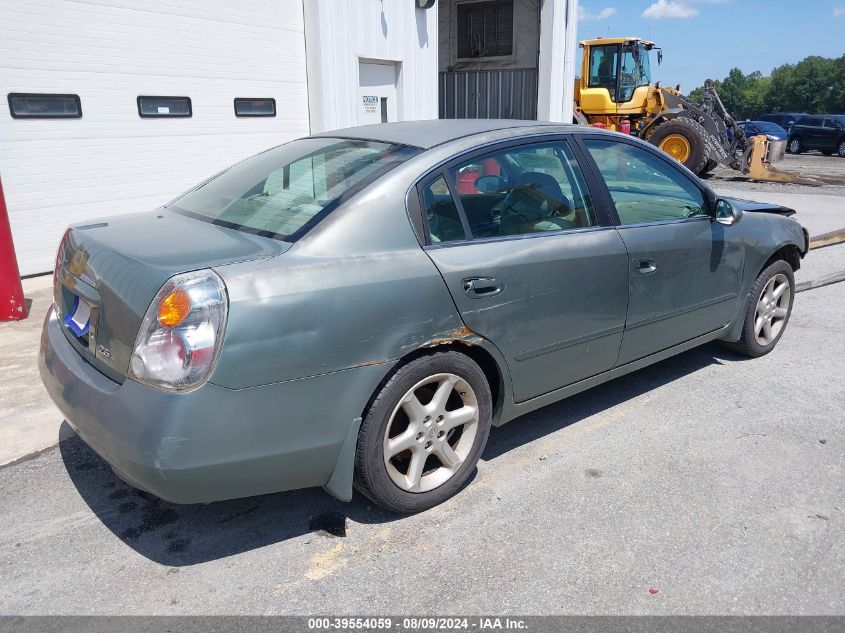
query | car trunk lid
(109,272)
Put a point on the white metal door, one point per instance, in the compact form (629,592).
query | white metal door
(377,93)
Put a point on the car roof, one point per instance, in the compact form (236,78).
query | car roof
(428,134)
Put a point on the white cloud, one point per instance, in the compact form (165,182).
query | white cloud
(838,12)
(669,9)
(585,16)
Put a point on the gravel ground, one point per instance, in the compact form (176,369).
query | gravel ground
(812,163)
(706,484)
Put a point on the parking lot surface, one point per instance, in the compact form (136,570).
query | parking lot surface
(706,484)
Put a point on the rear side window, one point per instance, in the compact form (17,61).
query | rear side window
(644,187)
(523,189)
(284,191)
(443,222)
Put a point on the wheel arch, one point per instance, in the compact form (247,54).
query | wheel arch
(788,252)
(479,350)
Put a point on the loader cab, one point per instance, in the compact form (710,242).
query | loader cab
(615,75)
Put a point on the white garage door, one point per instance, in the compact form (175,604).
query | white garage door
(109,52)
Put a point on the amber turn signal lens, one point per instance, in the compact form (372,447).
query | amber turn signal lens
(174,308)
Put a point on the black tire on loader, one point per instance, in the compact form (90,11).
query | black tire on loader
(697,155)
(708,168)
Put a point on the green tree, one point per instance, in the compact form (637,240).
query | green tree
(813,85)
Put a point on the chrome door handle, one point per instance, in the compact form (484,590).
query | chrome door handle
(478,287)
(646,266)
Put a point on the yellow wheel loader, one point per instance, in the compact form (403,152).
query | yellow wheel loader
(615,91)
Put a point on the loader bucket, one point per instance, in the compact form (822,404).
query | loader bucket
(758,159)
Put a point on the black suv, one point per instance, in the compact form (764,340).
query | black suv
(783,119)
(824,132)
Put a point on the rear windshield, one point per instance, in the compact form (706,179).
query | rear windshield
(284,191)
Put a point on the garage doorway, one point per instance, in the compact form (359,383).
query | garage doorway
(377,92)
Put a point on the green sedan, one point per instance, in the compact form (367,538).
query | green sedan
(359,308)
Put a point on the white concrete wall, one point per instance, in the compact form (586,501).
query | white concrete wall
(339,34)
(526,41)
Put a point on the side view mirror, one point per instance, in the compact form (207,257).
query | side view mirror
(726,213)
(489,184)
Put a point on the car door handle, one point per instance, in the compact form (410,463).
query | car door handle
(646,266)
(478,287)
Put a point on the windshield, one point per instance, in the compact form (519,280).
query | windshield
(636,70)
(284,191)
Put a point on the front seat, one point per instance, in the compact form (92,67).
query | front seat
(532,204)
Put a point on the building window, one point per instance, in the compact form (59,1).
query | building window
(255,107)
(160,107)
(485,29)
(44,106)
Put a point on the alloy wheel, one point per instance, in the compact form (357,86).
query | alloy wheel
(430,432)
(772,310)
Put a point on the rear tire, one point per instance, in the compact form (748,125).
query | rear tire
(841,151)
(767,311)
(670,137)
(424,433)
(795,146)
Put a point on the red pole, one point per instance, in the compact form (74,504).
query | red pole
(12,306)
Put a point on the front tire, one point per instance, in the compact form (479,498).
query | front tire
(685,140)
(767,311)
(424,433)
(841,150)
(795,146)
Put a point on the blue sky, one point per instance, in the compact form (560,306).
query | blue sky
(706,38)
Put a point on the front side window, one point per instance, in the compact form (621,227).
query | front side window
(644,187)
(279,192)
(524,189)
(635,71)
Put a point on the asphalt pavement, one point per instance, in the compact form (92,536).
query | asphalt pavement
(707,484)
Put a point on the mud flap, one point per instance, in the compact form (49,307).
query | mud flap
(340,483)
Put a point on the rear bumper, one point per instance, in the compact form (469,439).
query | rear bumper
(212,443)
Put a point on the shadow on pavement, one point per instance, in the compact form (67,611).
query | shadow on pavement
(574,409)
(178,535)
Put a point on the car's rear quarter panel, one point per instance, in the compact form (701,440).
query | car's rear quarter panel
(357,292)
